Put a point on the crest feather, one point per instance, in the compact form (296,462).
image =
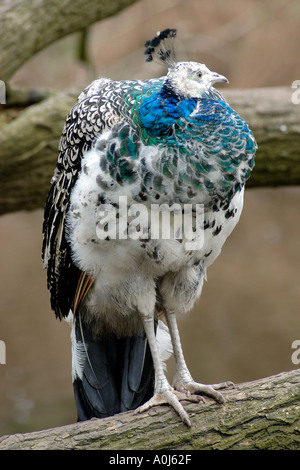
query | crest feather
(162,47)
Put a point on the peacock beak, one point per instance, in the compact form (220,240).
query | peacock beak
(216,77)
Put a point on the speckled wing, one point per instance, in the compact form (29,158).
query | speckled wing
(88,118)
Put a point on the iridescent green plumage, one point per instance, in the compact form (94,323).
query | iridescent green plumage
(203,143)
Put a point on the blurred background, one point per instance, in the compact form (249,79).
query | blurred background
(243,326)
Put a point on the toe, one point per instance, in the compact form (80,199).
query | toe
(221,385)
(167,397)
(193,388)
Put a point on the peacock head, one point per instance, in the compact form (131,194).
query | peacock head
(192,79)
(189,79)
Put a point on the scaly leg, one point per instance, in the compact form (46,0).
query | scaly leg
(163,392)
(183,380)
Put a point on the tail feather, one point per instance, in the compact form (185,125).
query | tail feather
(109,375)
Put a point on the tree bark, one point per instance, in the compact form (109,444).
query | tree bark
(29,149)
(27,26)
(275,122)
(29,142)
(263,414)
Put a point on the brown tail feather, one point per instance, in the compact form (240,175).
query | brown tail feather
(85,282)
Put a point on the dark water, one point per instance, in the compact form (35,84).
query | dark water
(241,329)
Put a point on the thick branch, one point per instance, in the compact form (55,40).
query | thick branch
(29,148)
(29,143)
(275,121)
(263,414)
(27,26)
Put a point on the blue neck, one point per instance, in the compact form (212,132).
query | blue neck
(160,111)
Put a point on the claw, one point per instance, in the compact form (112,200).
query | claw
(189,396)
(208,390)
(190,391)
(227,384)
(166,398)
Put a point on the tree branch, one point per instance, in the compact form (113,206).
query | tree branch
(29,148)
(275,122)
(29,143)
(52,20)
(263,414)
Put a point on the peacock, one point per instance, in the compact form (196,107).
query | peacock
(149,183)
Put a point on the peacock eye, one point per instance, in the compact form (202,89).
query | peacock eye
(199,74)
